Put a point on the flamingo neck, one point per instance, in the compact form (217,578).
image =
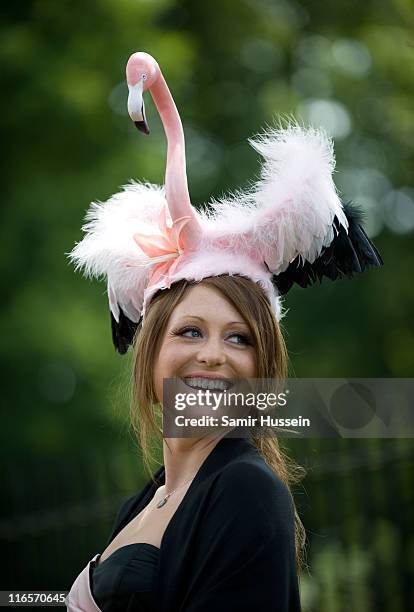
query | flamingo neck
(176,186)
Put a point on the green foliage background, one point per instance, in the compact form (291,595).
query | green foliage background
(233,67)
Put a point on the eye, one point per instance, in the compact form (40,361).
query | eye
(244,339)
(194,332)
(188,330)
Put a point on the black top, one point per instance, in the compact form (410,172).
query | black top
(230,544)
(125,580)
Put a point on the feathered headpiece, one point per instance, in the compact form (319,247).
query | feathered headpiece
(290,227)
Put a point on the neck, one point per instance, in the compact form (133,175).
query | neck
(183,458)
(176,186)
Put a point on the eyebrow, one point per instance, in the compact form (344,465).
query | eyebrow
(201,319)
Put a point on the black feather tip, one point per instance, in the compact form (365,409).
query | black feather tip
(349,253)
(123,332)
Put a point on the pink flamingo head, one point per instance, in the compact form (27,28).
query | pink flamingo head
(142,71)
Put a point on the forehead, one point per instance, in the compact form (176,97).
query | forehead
(207,303)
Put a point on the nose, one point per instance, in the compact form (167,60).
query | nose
(211,353)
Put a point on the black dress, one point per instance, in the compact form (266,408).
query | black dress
(124,581)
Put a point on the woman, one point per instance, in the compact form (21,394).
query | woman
(216,528)
(225,539)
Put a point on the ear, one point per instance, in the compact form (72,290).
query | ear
(350,252)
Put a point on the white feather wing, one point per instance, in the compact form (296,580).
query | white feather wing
(291,209)
(109,250)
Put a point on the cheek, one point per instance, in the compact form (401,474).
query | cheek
(171,358)
(248,365)
(169,361)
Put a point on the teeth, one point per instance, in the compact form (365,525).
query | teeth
(207,383)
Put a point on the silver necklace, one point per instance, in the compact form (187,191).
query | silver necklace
(164,500)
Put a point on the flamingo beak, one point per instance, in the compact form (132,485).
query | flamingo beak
(136,108)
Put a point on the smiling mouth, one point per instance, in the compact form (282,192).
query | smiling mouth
(211,384)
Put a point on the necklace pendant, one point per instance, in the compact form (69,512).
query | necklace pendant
(162,502)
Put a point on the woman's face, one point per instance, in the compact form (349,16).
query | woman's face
(205,337)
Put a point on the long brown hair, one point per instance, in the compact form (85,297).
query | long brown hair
(271,362)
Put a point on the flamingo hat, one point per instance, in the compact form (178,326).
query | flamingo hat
(290,227)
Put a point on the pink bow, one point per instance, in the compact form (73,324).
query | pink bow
(163,248)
